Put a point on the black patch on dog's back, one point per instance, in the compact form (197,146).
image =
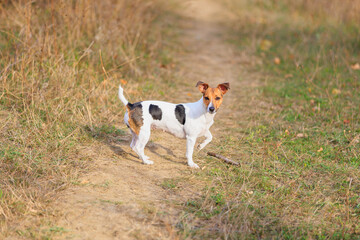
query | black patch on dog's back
(132,106)
(180,113)
(155,112)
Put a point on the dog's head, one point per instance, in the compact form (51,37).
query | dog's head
(212,97)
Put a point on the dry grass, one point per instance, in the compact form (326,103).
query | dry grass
(61,64)
(338,12)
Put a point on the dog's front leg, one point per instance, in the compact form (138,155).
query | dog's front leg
(190,143)
(208,138)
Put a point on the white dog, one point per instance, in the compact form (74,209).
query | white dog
(188,120)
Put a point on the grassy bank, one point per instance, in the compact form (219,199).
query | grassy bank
(60,67)
(300,151)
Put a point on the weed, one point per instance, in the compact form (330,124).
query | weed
(57,229)
(170,183)
(116,203)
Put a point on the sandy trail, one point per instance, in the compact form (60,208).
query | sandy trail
(120,198)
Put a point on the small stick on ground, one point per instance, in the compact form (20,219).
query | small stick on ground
(229,161)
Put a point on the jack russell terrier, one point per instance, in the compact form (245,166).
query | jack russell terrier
(187,120)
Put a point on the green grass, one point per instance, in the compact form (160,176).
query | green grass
(299,170)
(170,184)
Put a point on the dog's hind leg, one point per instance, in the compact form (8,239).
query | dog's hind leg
(142,139)
(134,136)
(134,140)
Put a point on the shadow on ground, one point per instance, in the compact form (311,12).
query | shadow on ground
(117,139)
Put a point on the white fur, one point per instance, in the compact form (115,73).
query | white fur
(121,96)
(197,124)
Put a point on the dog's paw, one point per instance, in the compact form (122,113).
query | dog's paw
(193,165)
(148,162)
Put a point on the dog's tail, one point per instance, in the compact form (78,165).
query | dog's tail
(122,97)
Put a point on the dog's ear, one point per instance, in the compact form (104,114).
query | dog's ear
(202,86)
(224,87)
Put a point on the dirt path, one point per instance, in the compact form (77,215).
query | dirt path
(120,198)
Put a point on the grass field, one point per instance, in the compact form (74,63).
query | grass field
(297,138)
(299,153)
(60,65)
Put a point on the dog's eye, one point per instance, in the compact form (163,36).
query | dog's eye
(206,98)
(217,98)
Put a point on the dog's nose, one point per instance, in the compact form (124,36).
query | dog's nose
(211,109)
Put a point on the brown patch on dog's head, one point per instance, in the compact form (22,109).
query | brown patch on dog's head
(213,97)
(202,86)
(218,98)
(224,87)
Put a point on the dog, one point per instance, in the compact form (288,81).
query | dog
(187,120)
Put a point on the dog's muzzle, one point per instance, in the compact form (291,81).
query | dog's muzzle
(211,110)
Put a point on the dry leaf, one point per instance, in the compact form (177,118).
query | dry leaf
(355,140)
(316,109)
(277,60)
(265,45)
(335,91)
(123,81)
(309,89)
(312,101)
(287,132)
(356,66)
(301,135)
(320,149)
(288,76)
(346,121)
(189,94)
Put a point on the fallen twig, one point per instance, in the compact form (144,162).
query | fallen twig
(229,161)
